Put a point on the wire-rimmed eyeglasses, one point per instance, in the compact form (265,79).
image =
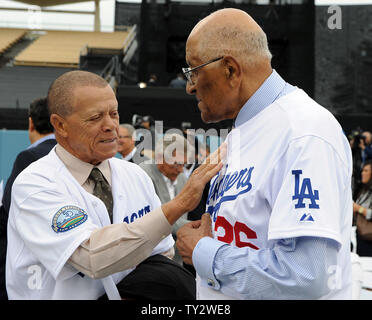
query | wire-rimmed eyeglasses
(188,72)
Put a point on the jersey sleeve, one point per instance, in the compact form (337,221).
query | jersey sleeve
(51,225)
(309,191)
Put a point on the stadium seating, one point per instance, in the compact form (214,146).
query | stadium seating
(63,48)
(8,37)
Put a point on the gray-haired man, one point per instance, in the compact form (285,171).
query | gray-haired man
(126,144)
(167,171)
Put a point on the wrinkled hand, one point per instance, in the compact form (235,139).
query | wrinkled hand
(192,192)
(189,235)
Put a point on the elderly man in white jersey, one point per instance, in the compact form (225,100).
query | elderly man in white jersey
(280,211)
(80,220)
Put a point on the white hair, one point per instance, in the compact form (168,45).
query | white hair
(250,46)
(129,128)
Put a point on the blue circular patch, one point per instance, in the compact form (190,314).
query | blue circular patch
(67,218)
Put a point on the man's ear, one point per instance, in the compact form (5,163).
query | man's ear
(59,125)
(233,70)
(31,126)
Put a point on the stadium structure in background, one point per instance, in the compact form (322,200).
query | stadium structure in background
(332,65)
(163,30)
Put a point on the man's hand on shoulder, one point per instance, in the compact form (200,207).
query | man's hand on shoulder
(191,194)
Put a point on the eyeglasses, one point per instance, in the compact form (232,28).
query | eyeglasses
(188,72)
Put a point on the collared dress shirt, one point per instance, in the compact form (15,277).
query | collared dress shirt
(171,186)
(130,155)
(36,143)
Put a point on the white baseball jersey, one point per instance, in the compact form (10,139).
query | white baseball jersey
(51,215)
(287,174)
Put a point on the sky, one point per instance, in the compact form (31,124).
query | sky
(36,20)
(84,22)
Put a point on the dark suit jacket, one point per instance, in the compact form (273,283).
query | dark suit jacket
(23,160)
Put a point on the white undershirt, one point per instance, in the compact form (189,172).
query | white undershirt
(171,186)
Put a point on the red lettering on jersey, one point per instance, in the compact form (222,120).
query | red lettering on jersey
(231,231)
(225,225)
(241,227)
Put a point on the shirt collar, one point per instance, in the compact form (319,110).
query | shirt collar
(265,95)
(36,143)
(169,181)
(80,170)
(130,155)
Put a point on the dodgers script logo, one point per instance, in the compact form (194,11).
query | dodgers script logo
(239,180)
(67,218)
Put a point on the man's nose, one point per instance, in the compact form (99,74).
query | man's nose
(109,123)
(190,88)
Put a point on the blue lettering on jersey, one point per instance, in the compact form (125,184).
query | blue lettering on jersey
(136,215)
(306,192)
(240,179)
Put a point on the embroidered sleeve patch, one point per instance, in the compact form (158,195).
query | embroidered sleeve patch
(67,218)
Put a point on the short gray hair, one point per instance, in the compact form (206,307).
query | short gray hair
(250,46)
(60,93)
(129,128)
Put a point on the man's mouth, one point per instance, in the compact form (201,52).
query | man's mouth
(108,140)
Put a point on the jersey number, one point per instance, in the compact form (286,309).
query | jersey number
(234,231)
